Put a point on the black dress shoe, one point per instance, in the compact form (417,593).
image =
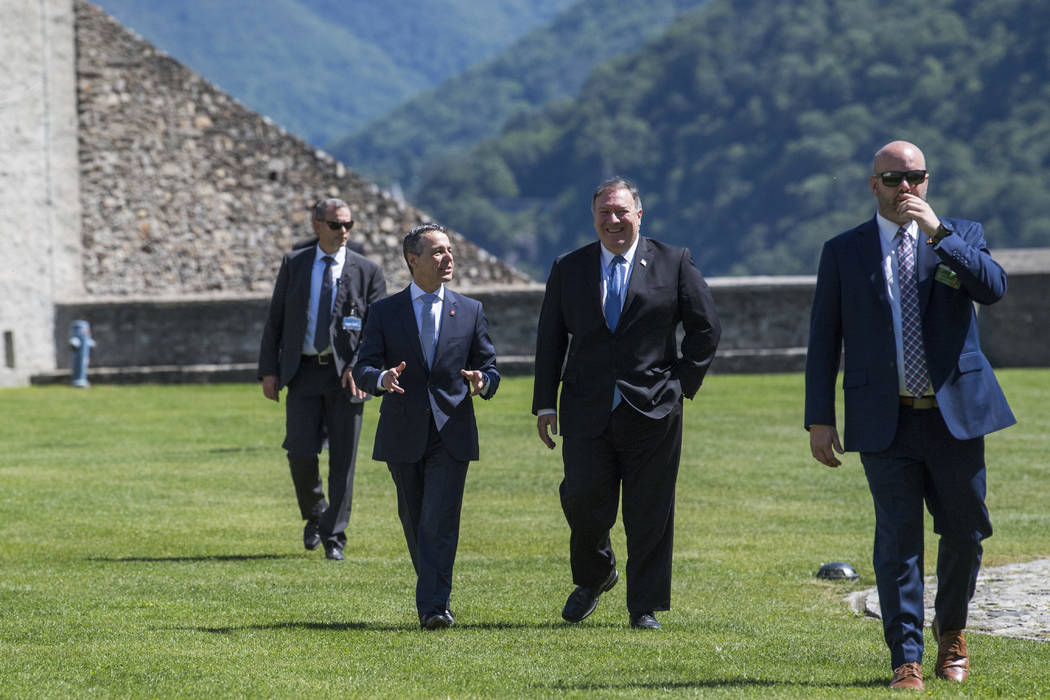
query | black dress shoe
(645,621)
(584,600)
(438,621)
(311,535)
(333,551)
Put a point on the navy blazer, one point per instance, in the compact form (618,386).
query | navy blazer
(390,337)
(641,356)
(851,310)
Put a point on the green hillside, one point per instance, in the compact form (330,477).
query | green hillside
(322,68)
(750,127)
(550,63)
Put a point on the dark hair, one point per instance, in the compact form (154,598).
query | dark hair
(615,183)
(413,242)
(321,207)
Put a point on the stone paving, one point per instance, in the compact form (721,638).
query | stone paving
(1011,600)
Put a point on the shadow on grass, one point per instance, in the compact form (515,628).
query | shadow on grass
(320,626)
(378,627)
(237,450)
(209,557)
(712,683)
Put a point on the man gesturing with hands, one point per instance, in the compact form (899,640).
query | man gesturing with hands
(426,351)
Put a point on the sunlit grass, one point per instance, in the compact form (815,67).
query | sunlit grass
(150,547)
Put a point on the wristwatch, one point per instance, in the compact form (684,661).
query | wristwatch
(940,234)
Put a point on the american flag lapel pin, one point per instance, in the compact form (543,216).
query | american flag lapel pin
(451,312)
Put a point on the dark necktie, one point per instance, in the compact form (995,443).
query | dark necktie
(916,378)
(613,302)
(614,292)
(427,334)
(322,336)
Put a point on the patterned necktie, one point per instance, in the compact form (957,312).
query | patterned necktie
(427,334)
(916,377)
(322,336)
(614,292)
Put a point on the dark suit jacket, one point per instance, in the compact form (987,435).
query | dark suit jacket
(285,327)
(851,309)
(641,357)
(361,283)
(390,337)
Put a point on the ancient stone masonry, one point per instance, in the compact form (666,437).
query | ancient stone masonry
(185,191)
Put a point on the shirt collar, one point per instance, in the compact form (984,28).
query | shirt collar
(339,255)
(607,256)
(416,291)
(888,229)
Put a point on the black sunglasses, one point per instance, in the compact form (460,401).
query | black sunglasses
(892,178)
(336,225)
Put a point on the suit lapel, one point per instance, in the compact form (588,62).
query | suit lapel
(871,261)
(299,295)
(343,292)
(639,276)
(407,315)
(592,279)
(449,324)
(925,264)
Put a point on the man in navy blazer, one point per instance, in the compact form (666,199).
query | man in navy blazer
(426,351)
(919,397)
(608,334)
(297,351)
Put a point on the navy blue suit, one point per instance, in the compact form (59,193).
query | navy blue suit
(911,455)
(428,434)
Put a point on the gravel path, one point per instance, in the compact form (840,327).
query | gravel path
(1011,600)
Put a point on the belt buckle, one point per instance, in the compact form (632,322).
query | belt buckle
(324,359)
(920,403)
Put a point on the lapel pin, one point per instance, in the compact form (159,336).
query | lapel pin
(643,263)
(451,312)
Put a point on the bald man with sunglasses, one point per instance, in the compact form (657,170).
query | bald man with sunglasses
(897,293)
(311,334)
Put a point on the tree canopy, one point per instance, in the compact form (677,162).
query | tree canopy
(750,126)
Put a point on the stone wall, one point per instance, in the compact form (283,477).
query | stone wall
(186,191)
(39,204)
(765,323)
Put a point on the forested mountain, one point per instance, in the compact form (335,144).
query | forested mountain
(549,63)
(750,127)
(322,68)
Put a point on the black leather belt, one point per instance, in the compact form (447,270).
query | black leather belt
(319,360)
(921,403)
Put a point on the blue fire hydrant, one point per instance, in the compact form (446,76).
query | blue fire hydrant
(81,341)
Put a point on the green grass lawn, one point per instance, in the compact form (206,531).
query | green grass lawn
(150,546)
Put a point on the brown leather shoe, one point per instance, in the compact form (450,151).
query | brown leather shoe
(953,662)
(908,677)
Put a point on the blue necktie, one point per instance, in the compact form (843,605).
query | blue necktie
(613,302)
(322,336)
(614,292)
(427,334)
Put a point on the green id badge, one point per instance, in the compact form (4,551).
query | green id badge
(945,275)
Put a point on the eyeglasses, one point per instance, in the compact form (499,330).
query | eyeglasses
(336,225)
(892,178)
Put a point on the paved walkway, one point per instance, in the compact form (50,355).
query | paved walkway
(1011,600)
